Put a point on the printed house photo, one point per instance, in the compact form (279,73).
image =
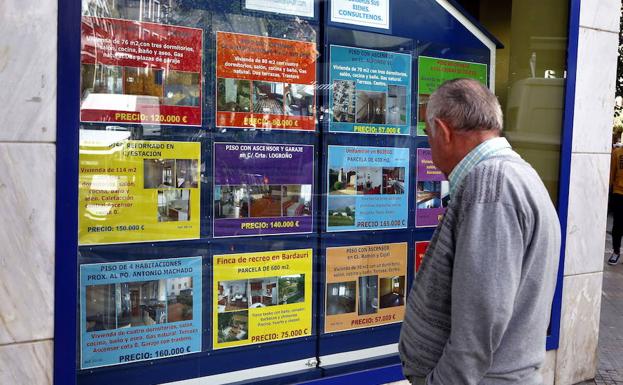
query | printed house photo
(368,295)
(181,89)
(233,95)
(344,101)
(268,98)
(341,211)
(173,205)
(296,200)
(231,202)
(369,180)
(393,180)
(371,107)
(432,195)
(265,201)
(180,299)
(142,303)
(392,291)
(101,79)
(233,326)
(101,313)
(299,99)
(396,105)
(342,181)
(291,289)
(232,295)
(143,81)
(263,292)
(178,173)
(341,297)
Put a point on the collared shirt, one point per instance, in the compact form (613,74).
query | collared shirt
(485,150)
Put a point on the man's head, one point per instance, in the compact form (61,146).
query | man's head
(460,115)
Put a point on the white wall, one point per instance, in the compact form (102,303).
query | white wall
(27,181)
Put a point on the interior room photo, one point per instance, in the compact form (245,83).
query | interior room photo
(268,98)
(231,202)
(368,294)
(393,180)
(142,303)
(181,89)
(143,81)
(233,95)
(100,308)
(263,292)
(341,297)
(299,99)
(396,104)
(432,194)
(369,180)
(265,201)
(296,200)
(371,107)
(179,299)
(173,205)
(232,295)
(392,291)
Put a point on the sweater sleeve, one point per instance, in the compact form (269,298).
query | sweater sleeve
(486,275)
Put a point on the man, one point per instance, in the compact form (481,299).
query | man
(479,308)
(616,184)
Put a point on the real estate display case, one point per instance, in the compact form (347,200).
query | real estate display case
(250,183)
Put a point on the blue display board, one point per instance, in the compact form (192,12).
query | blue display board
(378,52)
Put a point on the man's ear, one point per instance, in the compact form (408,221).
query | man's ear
(444,130)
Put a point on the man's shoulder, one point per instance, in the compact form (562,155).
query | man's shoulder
(502,179)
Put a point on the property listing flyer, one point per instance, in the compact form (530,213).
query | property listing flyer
(367,188)
(433,72)
(420,250)
(265,83)
(262,297)
(303,8)
(262,189)
(366,286)
(140,72)
(137,191)
(139,310)
(370,91)
(433,191)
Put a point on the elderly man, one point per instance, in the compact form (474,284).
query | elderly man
(479,308)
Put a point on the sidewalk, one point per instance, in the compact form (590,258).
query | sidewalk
(610,369)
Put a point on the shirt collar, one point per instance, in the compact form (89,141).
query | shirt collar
(487,149)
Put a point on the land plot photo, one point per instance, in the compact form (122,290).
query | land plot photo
(233,326)
(291,289)
(342,180)
(341,211)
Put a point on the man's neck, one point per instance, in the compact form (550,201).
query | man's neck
(467,141)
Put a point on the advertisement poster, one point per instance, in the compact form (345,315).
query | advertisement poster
(367,188)
(141,73)
(303,8)
(262,297)
(263,189)
(139,310)
(420,250)
(265,83)
(433,72)
(366,286)
(367,13)
(433,191)
(138,191)
(371,91)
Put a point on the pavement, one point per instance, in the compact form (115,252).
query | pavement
(610,368)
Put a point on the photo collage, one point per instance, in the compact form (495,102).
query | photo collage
(366,295)
(262,201)
(236,298)
(142,303)
(352,105)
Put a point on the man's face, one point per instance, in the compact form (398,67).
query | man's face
(436,148)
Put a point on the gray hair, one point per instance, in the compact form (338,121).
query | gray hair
(465,105)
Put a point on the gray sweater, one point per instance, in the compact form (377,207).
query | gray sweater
(480,305)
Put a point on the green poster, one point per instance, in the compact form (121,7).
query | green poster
(433,72)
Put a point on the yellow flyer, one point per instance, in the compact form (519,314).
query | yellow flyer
(137,191)
(262,297)
(366,286)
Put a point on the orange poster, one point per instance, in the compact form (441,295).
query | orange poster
(265,83)
(365,286)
